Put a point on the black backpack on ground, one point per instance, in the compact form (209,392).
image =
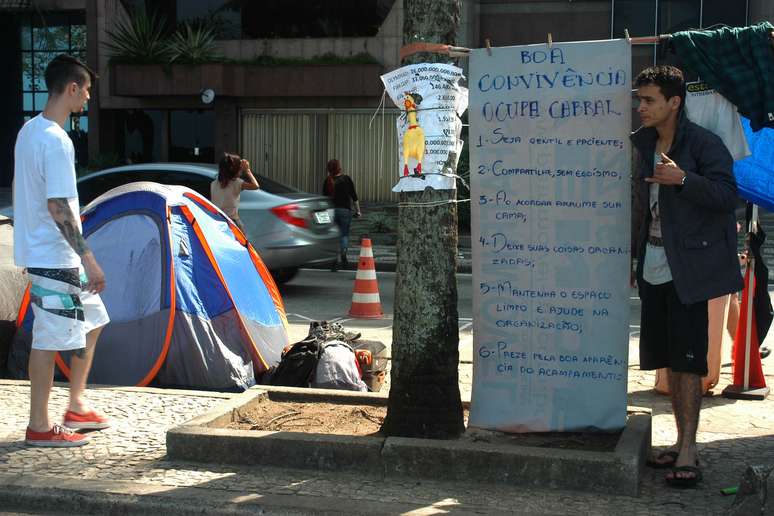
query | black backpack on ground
(299,362)
(297,365)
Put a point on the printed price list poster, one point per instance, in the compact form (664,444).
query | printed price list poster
(550,180)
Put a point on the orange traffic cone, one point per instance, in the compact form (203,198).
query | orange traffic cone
(749,382)
(365,295)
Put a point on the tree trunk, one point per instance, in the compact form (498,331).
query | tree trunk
(424,394)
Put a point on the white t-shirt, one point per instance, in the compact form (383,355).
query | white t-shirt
(711,110)
(655,268)
(44,169)
(227,199)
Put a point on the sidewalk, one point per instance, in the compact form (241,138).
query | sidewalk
(125,469)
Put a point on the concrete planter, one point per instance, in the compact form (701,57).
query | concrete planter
(206,439)
(246,80)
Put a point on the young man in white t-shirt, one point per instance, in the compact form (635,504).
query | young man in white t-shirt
(48,242)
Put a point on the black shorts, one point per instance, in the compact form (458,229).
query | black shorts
(672,334)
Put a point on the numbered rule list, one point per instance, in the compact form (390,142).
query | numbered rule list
(550,167)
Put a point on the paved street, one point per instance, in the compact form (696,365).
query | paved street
(324,295)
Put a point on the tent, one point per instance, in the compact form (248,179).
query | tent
(190,301)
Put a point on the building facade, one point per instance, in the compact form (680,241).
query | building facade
(296,81)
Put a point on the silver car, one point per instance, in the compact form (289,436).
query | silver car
(288,227)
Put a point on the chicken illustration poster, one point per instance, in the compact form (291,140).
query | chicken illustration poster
(431,101)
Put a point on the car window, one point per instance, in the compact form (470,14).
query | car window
(273,187)
(91,188)
(196,182)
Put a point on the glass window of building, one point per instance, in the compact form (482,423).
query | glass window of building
(43,37)
(139,137)
(651,17)
(251,19)
(192,136)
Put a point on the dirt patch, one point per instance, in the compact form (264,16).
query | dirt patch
(341,419)
(319,418)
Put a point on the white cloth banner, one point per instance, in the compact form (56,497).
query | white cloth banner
(429,128)
(550,167)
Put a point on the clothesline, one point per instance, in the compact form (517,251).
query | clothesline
(649,40)
(452,51)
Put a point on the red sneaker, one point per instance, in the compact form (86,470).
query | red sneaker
(88,421)
(57,437)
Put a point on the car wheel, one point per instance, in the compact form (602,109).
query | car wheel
(284,275)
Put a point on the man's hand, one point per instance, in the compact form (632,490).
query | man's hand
(96,277)
(667,172)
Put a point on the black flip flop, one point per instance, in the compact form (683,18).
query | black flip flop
(684,483)
(655,464)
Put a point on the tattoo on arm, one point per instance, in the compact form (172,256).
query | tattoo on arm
(65,221)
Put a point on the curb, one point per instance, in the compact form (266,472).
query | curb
(204,439)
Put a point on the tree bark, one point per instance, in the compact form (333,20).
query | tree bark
(424,398)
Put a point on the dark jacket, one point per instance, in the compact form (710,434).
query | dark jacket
(343,193)
(697,220)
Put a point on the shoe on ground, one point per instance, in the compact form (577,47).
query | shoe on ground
(89,421)
(765,351)
(57,437)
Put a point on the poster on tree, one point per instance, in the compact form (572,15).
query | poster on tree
(429,127)
(550,168)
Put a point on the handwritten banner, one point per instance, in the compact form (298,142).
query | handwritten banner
(550,167)
(429,127)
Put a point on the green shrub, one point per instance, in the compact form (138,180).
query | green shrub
(140,39)
(324,59)
(193,45)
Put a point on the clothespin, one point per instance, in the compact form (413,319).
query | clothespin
(488,44)
(626,35)
(550,40)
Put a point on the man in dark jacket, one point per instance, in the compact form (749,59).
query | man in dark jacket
(684,238)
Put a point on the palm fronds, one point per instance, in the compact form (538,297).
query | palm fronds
(192,45)
(140,39)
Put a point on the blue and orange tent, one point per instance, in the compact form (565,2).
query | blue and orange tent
(191,304)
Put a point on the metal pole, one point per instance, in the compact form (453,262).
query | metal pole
(612,19)
(655,31)
(701,14)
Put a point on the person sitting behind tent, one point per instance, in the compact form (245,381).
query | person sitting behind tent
(225,190)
